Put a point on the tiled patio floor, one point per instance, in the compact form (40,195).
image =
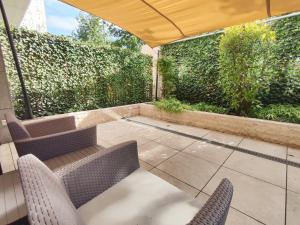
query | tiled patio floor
(265,191)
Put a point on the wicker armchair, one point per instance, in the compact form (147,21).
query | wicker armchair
(110,188)
(49,138)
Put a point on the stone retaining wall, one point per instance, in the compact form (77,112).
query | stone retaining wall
(271,131)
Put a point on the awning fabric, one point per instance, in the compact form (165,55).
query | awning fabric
(158,22)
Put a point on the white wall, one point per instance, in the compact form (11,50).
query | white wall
(26,13)
(35,16)
(15,10)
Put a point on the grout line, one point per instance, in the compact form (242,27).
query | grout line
(236,148)
(178,179)
(156,167)
(216,171)
(243,138)
(178,151)
(276,185)
(295,192)
(248,215)
(286,184)
(239,211)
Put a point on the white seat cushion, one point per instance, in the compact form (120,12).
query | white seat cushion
(140,199)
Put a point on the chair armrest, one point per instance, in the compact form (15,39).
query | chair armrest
(47,147)
(215,210)
(89,177)
(43,127)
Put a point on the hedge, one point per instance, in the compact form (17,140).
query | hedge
(64,75)
(198,66)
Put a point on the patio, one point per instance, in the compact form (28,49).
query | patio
(267,187)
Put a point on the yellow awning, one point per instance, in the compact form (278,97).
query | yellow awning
(158,22)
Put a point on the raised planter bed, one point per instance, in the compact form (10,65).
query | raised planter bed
(271,131)
(276,132)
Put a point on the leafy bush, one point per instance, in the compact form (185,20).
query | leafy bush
(283,113)
(64,75)
(176,106)
(209,108)
(171,105)
(166,68)
(245,64)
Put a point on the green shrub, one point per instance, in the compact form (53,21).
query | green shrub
(64,75)
(176,106)
(283,113)
(209,108)
(166,68)
(245,64)
(171,105)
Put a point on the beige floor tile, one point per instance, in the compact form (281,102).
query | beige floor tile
(293,208)
(264,147)
(255,198)
(153,133)
(234,216)
(223,138)
(173,126)
(146,166)
(237,218)
(294,155)
(210,152)
(293,182)
(199,132)
(192,170)
(175,141)
(177,183)
(154,153)
(267,170)
(203,197)
(120,139)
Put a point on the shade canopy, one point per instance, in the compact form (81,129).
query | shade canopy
(158,22)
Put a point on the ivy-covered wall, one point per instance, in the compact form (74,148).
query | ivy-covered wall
(63,75)
(198,69)
(197,63)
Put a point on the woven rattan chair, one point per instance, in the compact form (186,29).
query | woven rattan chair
(109,188)
(49,138)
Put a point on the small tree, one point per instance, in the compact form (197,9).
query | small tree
(90,29)
(245,64)
(166,68)
(124,39)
